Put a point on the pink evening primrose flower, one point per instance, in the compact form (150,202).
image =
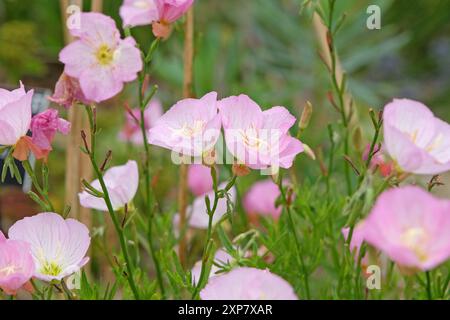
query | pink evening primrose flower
(139,12)
(248,284)
(357,242)
(58,246)
(411,227)
(199,179)
(131,131)
(68,92)
(259,139)
(197,212)
(416,140)
(191,127)
(15,120)
(122,184)
(170,11)
(16,264)
(261,198)
(221,257)
(44,127)
(100,60)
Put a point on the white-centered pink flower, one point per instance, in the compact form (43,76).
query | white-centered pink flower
(417,140)
(191,127)
(58,246)
(132,131)
(197,213)
(16,264)
(248,284)
(199,179)
(122,183)
(259,139)
(100,60)
(411,226)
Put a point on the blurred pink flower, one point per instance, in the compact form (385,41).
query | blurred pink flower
(198,214)
(261,198)
(16,264)
(417,140)
(67,92)
(411,227)
(259,139)
(122,184)
(199,179)
(15,120)
(58,246)
(132,130)
(357,241)
(191,127)
(248,284)
(221,257)
(100,60)
(45,125)
(139,12)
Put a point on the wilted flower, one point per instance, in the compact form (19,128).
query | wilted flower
(261,199)
(45,125)
(100,60)
(248,284)
(198,213)
(417,140)
(122,184)
(411,227)
(16,264)
(132,130)
(15,120)
(259,139)
(191,127)
(199,179)
(139,12)
(58,246)
(67,92)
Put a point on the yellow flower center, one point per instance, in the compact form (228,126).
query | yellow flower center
(104,55)
(251,138)
(414,238)
(8,270)
(191,131)
(51,268)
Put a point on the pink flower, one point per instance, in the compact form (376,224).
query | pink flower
(259,139)
(58,246)
(191,127)
(417,140)
(15,120)
(68,92)
(139,12)
(100,60)
(357,242)
(44,127)
(122,184)
(198,214)
(411,227)
(16,264)
(261,198)
(132,130)
(199,179)
(221,257)
(170,11)
(248,284)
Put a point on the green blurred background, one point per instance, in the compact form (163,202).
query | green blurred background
(263,48)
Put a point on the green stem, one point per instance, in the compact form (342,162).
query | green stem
(297,240)
(429,294)
(114,218)
(41,190)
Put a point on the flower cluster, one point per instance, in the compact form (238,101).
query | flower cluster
(259,139)
(44,247)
